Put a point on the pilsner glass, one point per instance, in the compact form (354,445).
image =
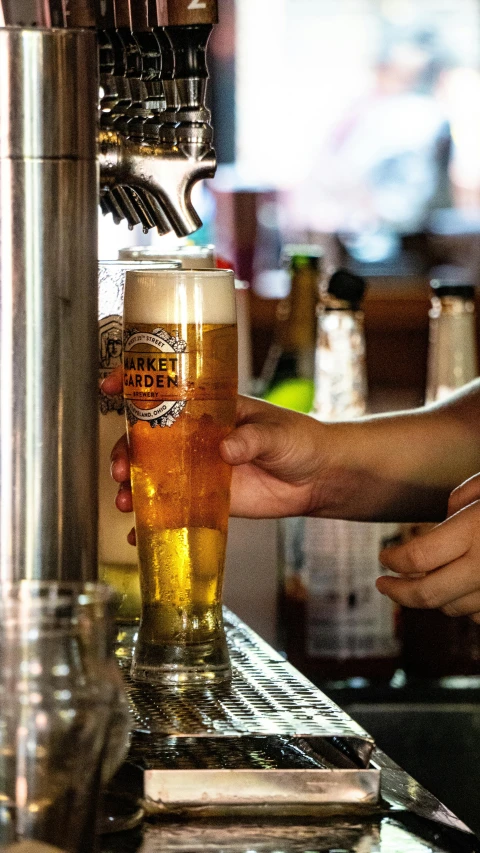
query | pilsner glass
(180,386)
(118,564)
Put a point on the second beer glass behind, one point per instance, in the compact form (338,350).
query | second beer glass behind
(180,384)
(118,565)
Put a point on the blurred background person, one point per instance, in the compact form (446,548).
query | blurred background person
(384,167)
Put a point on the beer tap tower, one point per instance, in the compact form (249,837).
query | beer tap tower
(138,149)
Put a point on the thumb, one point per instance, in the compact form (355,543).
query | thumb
(260,432)
(276,439)
(248,442)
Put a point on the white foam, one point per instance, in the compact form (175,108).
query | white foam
(180,296)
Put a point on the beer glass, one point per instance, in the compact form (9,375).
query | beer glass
(180,387)
(192,257)
(118,564)
(64,718)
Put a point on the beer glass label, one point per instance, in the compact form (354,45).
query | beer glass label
(110,357)
(152,376)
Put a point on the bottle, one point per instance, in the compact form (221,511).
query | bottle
(452,347)
(287,375)
(436,645)
(335,625)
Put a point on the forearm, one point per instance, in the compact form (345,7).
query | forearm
(403,466)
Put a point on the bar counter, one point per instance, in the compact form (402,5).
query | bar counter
(269,764)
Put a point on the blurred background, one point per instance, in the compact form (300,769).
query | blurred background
(352,126)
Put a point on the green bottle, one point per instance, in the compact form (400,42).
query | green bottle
(288,374)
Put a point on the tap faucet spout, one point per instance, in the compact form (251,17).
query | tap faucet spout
(168,174)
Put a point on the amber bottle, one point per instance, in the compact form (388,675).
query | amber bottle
(435,645)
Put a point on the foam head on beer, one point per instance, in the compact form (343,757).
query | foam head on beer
(187,296)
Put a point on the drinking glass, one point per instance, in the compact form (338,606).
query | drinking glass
(180,386)
(63,714)
(118,565)
(192,257)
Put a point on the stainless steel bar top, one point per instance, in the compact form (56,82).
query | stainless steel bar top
(387,835)
(210,765)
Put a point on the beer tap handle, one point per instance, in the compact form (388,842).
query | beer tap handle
(123,13)
(151,157)
(190,23)
(133,59)
(139,15)
(157,13)
(148,42)
(58,13)
(143,67)
(186,13)
(191,73)
(162,126)
(104,14)
(48,13)
(81,14)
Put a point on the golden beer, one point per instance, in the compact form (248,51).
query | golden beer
(180,385)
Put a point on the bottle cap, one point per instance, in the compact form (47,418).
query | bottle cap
(347,287)
(301,256)
(451,281)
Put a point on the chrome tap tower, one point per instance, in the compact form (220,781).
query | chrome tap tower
(137,148)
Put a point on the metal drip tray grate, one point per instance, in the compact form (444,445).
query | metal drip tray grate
(267,696)
(269,739)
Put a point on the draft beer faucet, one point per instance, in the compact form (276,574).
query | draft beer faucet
(156,139)
(138,148)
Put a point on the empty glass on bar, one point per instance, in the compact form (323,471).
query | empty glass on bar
(180,386)
(64,718)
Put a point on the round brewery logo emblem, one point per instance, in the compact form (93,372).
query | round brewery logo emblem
(145,373)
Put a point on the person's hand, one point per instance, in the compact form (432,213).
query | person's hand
(441,569)
(275,456)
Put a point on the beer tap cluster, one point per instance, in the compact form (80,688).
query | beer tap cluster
(101,101)
(155,137)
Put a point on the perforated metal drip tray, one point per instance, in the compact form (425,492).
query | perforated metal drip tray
(270,739)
